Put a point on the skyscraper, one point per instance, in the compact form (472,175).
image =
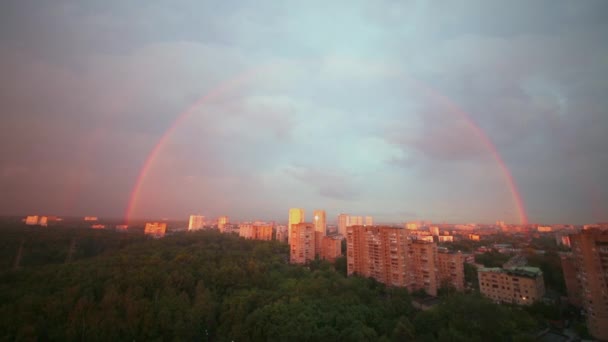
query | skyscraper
(196,222)
(342,224)
(296,215)
(590,252)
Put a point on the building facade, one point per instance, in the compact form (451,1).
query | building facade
(320,221)
(155,229)
(256,231)
(342,224)
(222,221)
(296,216)
(331,247)
(517,285)
(590,260)
(196,222)
(450,266)
(302,243)
(422,266)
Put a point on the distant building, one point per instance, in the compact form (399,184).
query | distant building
(90,218)
(196,222)
(378,252)
(98,226)
(590,256)
(320,221)
(155,229)
(544,229)
(369,221)
(256,231)
(302,243)
(434,230)
(331,247)
(474,237)
(281,233)
(412,225)
(296,216)
(31,220)
(450,267)
(222,221)
(355,221)
(445,238)
(342,224)
(519,285)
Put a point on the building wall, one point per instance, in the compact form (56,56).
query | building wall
(302,243)
(342,224)
(421,266)
(196,222)
(256,231)
(155,229)
(573,284)
(296,216)
(512,286)
(451,269)
(331,247)
(590,251)
(320,221)
(222,221)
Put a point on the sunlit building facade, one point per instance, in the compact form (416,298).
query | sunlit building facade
(517,285)
(331,247)
(422,266)
(296,216)
(342,224)
(155,229)
(196,222)
(222,221)
(320,221)
(31,220)
(450,266)
(302,243)
(256,231)
(369,221)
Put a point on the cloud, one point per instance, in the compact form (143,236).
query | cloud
(329,183)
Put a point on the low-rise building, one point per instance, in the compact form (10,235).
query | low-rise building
(256,231)
(517,285)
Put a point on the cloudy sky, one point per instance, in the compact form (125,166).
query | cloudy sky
(385,108)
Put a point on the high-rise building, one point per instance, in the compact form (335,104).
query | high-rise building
(434,230)
(377,252)
(222,221)
(320,221)
(256,231)
(155,229)
(342,224)
(302,243)
(422,266)
(196,222)
(296,216)
(517,285)
(369,221)
(590,252)
(450,267)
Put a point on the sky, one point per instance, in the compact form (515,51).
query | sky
(403,110)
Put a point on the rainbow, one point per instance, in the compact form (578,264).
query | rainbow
(233,83)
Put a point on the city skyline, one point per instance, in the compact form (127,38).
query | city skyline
(400,111)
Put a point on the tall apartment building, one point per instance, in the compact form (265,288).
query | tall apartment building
(320,221)
(450,266)
(256,231)
(296,216)
(517,285)
(281,233)
(378,252)
(342,224)
(222,221)
(395,257)
(155,229)
(196,222)
(302,243)
(369,221)
(422,266)
(590,253)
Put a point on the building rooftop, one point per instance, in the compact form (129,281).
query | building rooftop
(522,271)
